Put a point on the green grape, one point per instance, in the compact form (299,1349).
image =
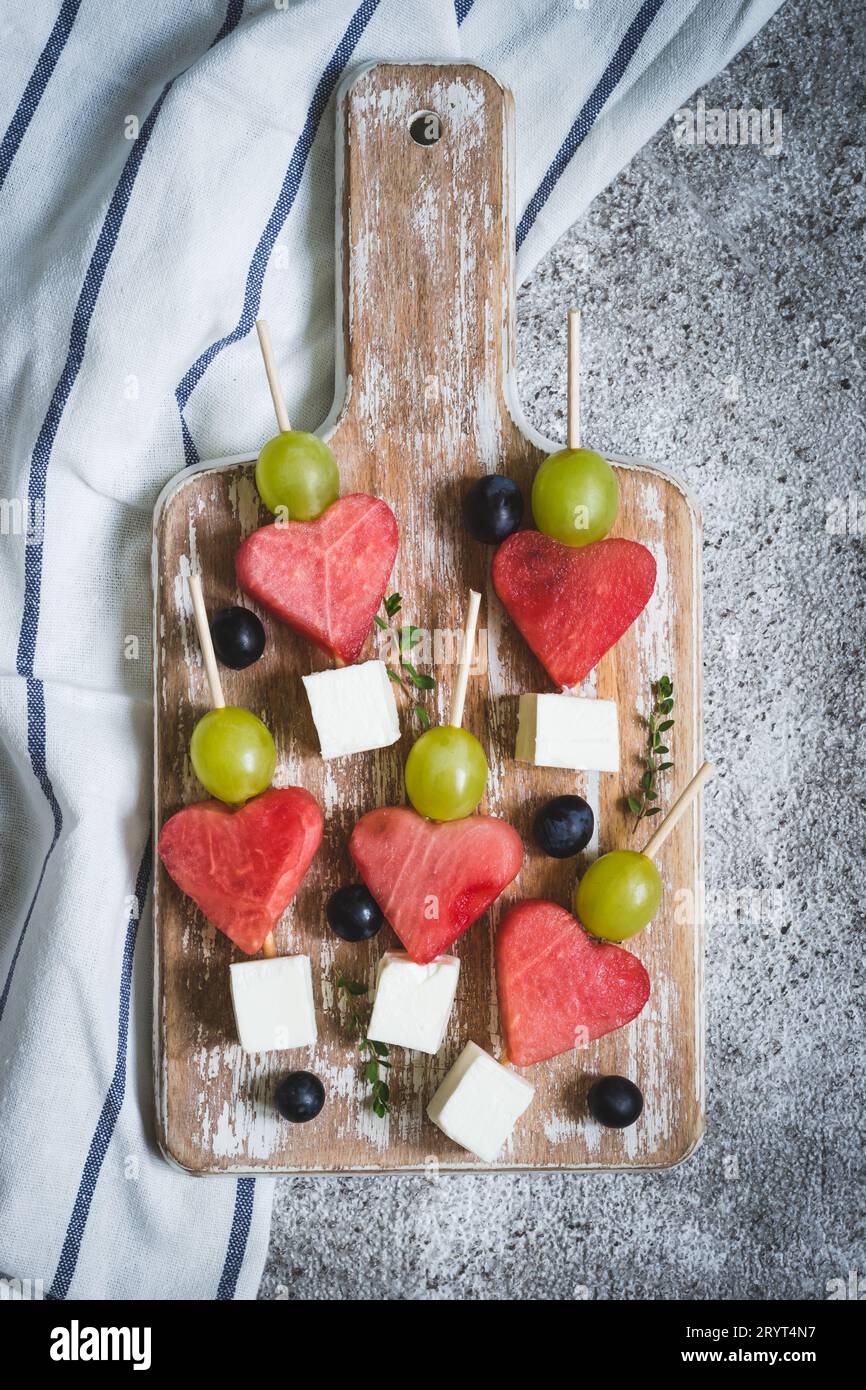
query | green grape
(446,773)
(618,895)
(575,496)
(233,754)
(297,471)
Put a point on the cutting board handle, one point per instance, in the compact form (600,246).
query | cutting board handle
(427,251)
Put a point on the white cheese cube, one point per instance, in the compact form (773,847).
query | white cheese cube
(273,1003)
(567,731)
(353,708)
(413,1002)
(479,1102)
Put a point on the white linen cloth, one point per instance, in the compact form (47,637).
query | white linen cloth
(166,175)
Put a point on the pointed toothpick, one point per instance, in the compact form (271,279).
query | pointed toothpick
(458,699)
(679,808)
(205,641)
(273,380)
(573,436)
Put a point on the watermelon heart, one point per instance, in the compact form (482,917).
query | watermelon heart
(432,881)
(571,604)
(325,578)
(559,989)
(243,867)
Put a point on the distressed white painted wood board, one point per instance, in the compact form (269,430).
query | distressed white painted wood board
(425,404)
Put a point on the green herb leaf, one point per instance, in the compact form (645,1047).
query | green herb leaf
(420,682)
(351,986)
(380,622)
(641,805)
(373,1053)
(423,716)
(392,675)
(393,604)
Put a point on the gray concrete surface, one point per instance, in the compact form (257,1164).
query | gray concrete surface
(721,339)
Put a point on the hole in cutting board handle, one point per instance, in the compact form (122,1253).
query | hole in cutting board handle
(425,127)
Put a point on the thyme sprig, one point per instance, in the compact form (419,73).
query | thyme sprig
(373,1054)
(405,674)
(660,721)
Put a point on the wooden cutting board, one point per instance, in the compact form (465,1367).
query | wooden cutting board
(425,404)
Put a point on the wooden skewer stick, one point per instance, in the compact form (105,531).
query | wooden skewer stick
(273,380)
(205,641)
(573,436)
(679,808)
(458,699)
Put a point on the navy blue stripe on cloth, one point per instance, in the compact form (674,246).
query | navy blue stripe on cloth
(36,735)
(238,1237)
(589,114)
(233,14)
(39,79)
(114,1098)
(39,463)
(462,8)
(105,244)
(288,192)
(36,750)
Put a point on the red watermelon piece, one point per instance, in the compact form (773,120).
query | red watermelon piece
(559,989)
(431,880)
(242,868)
(572,604)
(324,578)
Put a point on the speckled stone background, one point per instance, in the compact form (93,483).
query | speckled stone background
(722,338)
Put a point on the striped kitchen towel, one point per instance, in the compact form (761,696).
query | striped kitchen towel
(166,174)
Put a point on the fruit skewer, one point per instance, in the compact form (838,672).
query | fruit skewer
(570,588)
(464,861)
(620,893)
(575,493)
(446,770)
(269,948)
(296,473)
(303,568)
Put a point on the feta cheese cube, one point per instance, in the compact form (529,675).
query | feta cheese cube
(567,731)
(273,1003)
(353,708)
(479,1102)
(413,1002)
